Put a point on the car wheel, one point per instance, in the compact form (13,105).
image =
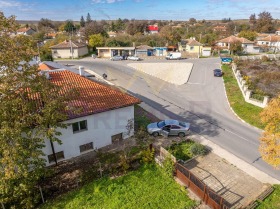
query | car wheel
(155,134)
(181,134)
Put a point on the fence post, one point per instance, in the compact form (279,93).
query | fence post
(248,94)
(41,192)
(265,100)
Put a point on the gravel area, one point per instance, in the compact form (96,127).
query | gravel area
(175,73)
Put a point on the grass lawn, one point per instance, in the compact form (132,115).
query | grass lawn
(148,187)
(272,201)
(244,110)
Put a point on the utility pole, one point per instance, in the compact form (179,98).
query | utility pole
(71,47)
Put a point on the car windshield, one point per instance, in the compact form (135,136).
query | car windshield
(161,124)
(182,124)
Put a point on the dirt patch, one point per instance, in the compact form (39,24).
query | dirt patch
(262,77)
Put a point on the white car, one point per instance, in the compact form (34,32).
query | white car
(134,58)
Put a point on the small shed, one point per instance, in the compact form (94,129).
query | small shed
(144,50)
(160,51)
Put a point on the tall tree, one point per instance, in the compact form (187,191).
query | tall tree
(96,40)
(31,110)
(88,19)
(236,47)
(82,22)
(264,23)
(270,139)
(69,26)
(94,27)
(253,21)
(250,35)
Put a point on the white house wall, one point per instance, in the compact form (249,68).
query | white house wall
(66,53)
(100,128)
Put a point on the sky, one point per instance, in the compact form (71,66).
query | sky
(138,9)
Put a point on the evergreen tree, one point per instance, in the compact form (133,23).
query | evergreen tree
(82,22)
(88,20)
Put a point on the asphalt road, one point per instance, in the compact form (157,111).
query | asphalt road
(202,102)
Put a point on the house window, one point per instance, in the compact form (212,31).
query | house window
(54,51)
(191,48)
(86,147)
(79,126)
(59,156)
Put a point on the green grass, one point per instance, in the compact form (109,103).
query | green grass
(272,201)
(148,187)
(244,110)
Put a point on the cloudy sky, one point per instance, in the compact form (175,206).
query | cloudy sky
(138,9)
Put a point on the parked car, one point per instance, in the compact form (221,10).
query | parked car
(134,58)
(218,73)
(169,127)
(116,58)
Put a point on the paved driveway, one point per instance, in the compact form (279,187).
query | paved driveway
(237,187)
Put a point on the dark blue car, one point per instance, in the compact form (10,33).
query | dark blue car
(218,73)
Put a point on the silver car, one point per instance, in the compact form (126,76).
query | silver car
(169,128)
(116,58)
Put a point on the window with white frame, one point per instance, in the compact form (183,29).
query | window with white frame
(79,126)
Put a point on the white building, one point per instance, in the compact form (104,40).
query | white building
(103,118)
(69,49)
(247,45)
(270,42)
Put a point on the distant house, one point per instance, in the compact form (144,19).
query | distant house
(277,32)
(220,28)
(190,45)
(270,43)
(26,31)
(69,49)
(144,50)
(102,119)
(247,45)
(152,29)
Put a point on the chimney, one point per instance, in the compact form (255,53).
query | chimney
(81,71)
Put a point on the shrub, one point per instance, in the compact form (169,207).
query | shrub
(147,156)
(265,59)
(168,166)
(198,149)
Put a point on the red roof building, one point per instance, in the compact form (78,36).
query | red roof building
(93,97)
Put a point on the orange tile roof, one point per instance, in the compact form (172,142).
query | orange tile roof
(44,66)
(93,97)
(24,29)
(67,44)
(273,38)
(232,39)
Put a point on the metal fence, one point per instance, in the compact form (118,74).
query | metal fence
(207,195)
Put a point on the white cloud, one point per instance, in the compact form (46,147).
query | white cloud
(9,4)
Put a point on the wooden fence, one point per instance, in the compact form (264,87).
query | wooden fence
(207,195)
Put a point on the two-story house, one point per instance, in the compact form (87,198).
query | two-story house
(103,116)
